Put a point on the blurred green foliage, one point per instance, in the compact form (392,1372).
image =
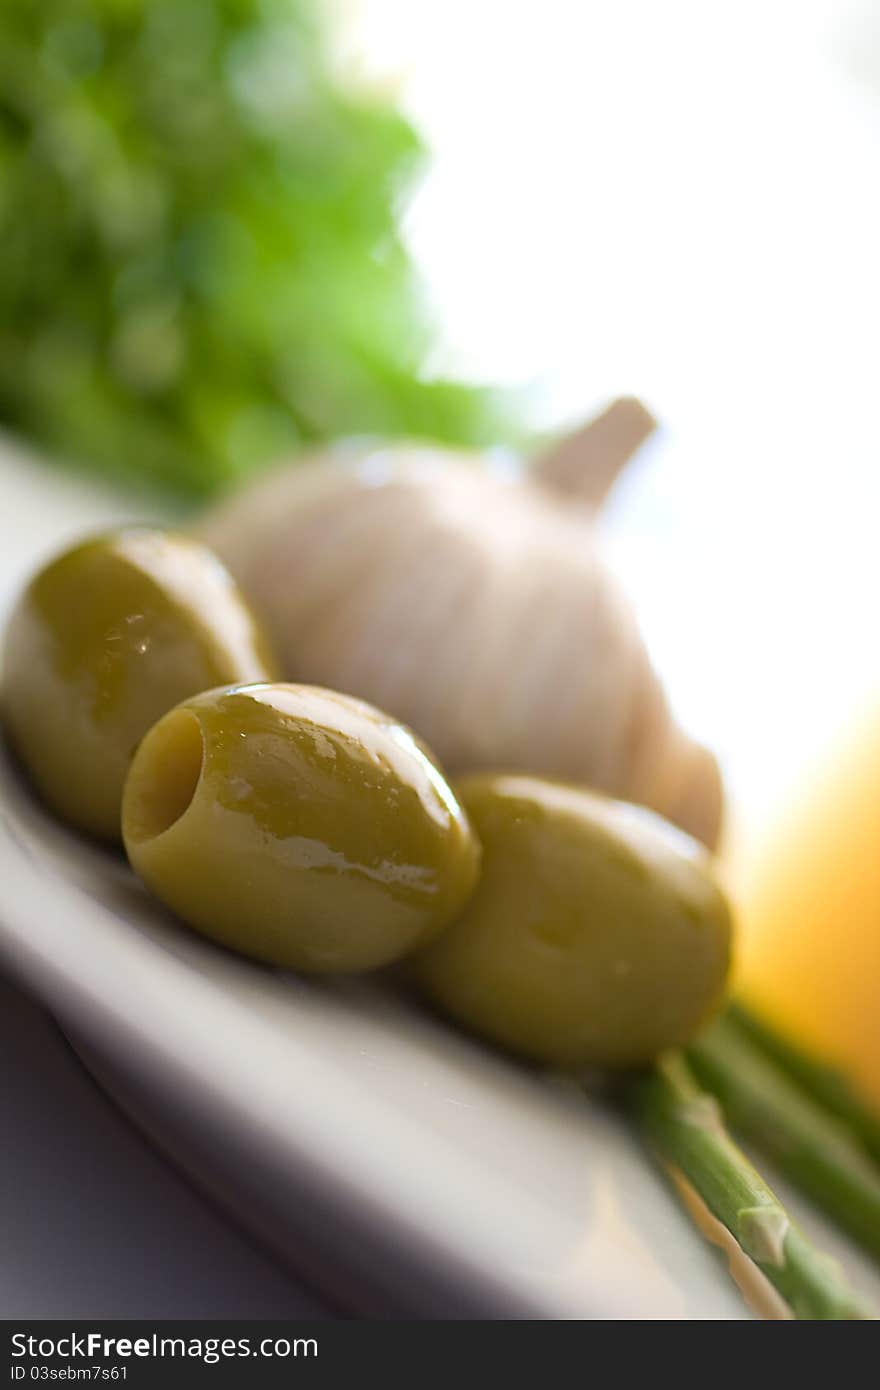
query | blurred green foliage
(200,265)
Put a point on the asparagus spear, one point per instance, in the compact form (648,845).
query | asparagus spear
(686,1126)
(813,1148)
(827,1086)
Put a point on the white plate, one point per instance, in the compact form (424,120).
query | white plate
(404,1168)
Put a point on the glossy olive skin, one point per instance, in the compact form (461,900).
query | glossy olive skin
(298,826)
(102,642)
(597,934)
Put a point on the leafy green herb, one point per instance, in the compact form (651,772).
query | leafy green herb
(201,264)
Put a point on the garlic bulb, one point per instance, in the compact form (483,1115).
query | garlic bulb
(472,602)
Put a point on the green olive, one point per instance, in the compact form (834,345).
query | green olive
(597,934)
(103,641)
(299,826)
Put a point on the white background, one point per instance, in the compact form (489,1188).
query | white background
(680,200)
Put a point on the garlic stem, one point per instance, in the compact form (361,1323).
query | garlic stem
(584,465)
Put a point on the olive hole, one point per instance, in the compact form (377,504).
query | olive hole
(167,772)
